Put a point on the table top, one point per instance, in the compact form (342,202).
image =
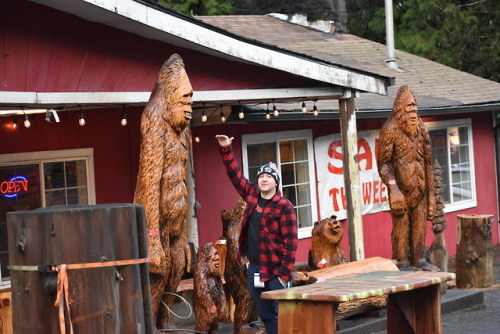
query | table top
(375,283)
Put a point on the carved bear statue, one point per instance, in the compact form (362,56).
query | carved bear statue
(326,250)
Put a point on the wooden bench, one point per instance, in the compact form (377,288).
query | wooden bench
(414,301)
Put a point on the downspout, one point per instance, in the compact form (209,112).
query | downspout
(389,36)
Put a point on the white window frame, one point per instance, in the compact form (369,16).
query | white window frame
(467,204)
(41,157)
(273,137)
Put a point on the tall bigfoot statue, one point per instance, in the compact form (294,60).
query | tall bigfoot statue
(404,165)
(161,181)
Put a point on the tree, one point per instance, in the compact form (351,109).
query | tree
(198,7)
(458,33)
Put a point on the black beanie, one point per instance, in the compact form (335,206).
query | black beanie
(271,169)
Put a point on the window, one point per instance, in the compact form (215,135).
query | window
(292,153)
(451,145)
(39,179)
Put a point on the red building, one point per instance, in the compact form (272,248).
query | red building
(97,61)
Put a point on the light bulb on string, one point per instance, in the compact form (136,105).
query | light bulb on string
(304,109)
(222,117)
(315,109)
(124,119)
(268,115)
(204,117)
(241,114)
(14,123)
(196,138)
(276,112)
(27,122)
(81,120)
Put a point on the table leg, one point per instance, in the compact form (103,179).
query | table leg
(306,317)
(415,312)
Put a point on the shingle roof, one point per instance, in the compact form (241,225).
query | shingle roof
(434,85)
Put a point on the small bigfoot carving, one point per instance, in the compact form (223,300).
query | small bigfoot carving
(326,250)
(161,181)
(234,273)
(209,300)
(404,165)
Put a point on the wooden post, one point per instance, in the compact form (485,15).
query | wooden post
(351,176)
(474,251)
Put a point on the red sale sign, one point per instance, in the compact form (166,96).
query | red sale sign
(328,152)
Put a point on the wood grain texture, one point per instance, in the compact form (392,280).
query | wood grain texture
(474,251)
(161,182)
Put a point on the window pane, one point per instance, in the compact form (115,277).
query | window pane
(73,190)
(286,151)
(300,150)
(454,157)
(287,174)
(72,196)
(302,171)
(439,149)
(19,190)
(303,194)
(259,155)
(304,215)
(290,193)
(55,197)
(54,175)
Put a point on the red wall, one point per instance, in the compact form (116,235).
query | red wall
(115,147)
(45,50)
(215,192)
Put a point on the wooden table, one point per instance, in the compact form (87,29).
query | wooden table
(414,301)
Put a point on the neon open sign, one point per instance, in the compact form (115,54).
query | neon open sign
(14,186)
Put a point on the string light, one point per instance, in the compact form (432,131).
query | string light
(241,114)
(14,123)
(222,117)
(268,115)
(196,138)
(27,122)
(304,109)
(124,119)
(276,112)
(315,109)
(81,118)
(203,114)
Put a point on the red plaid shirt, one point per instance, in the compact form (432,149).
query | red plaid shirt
(278,226)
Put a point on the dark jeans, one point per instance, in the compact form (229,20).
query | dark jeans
(266,308)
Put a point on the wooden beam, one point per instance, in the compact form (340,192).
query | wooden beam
(351,176)
(234,96)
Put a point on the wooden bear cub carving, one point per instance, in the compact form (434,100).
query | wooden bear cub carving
(326,250)
(209,300)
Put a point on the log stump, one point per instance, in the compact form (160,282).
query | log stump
(474,251)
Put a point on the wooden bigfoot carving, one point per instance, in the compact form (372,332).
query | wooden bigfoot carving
(234,274)
(326,250)
(209,300)
(404,165)
(161,181)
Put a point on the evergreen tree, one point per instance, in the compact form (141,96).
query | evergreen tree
(198,7)
(458,33)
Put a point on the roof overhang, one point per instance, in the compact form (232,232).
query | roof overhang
(174,28)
